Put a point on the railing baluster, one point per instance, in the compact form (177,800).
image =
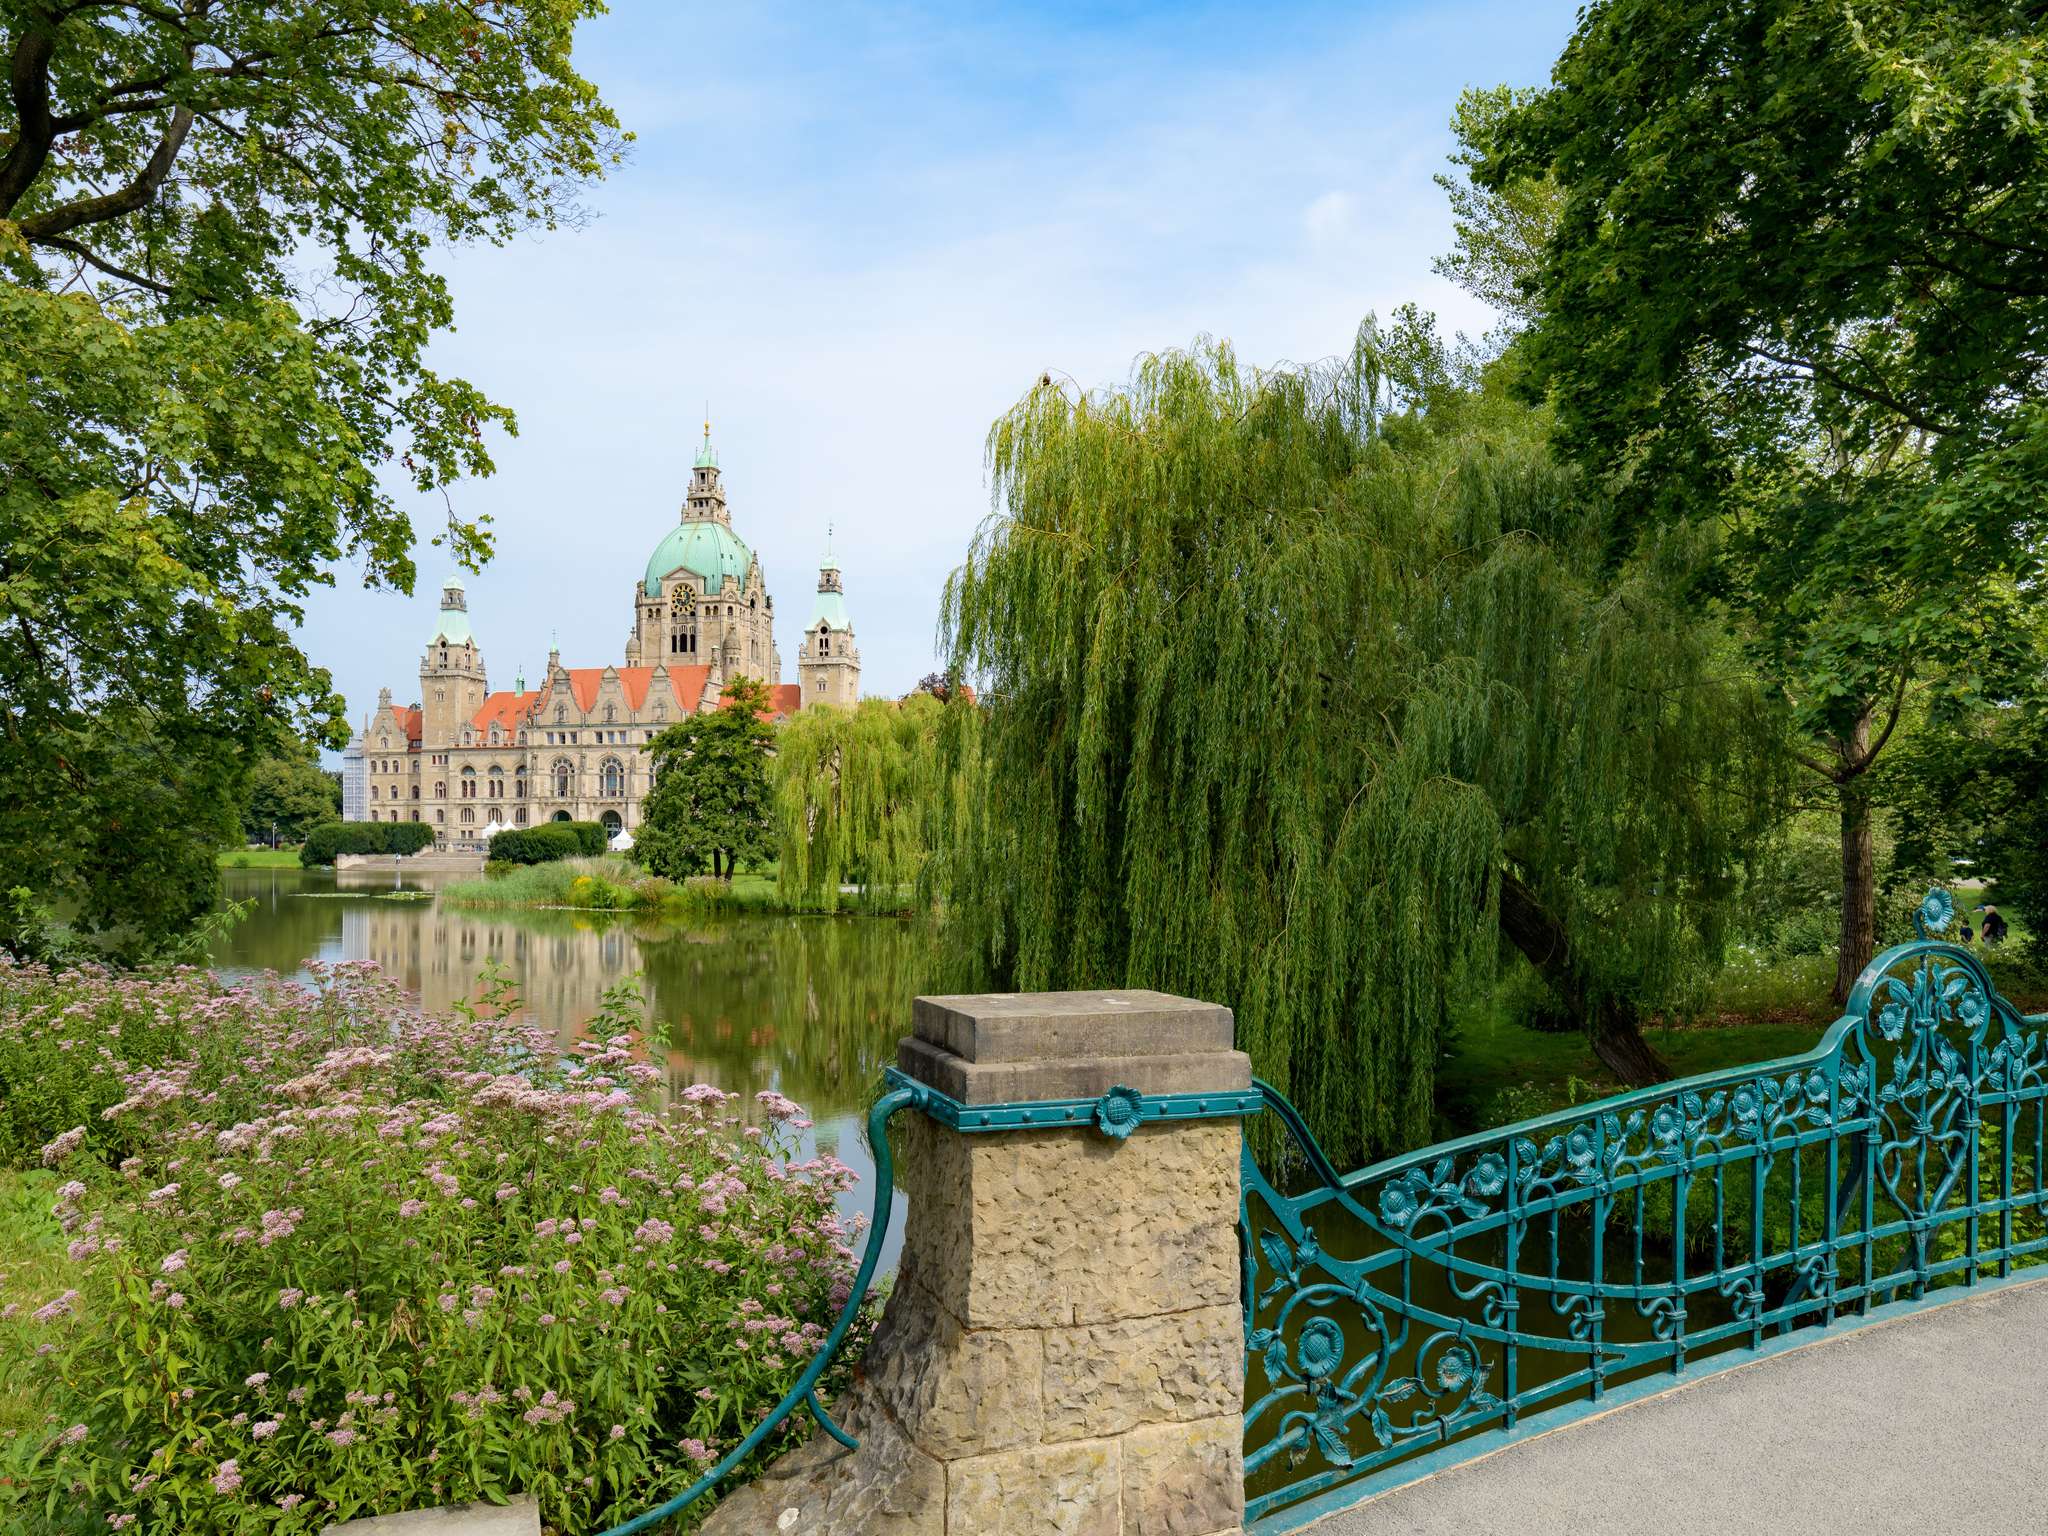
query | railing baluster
(1870,1140)
(1832,1217)
(1510,1295)
(1597,1327)
(1757,1168)
(1681,1191)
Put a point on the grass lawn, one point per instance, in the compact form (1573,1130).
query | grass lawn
(610,883)
(1499,1071)
(259,858)
(32,1271)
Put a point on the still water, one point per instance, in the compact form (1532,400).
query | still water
(809,1006)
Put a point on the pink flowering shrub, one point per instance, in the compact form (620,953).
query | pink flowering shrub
(363,1259)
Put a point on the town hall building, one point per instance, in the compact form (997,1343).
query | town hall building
(463,759)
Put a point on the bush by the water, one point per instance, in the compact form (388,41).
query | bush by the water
(549,841)
(612,884)
(324,843)
(355,1258)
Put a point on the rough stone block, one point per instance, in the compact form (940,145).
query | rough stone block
(1112,1377)
(1082,1077)
(521,1517)
(1046,1229)
(1059,1026)
(1061,1490)
(886,1488)
(1183,1479)
(955,1392)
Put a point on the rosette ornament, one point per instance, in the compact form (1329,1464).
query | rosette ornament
(1118,1112)
(1936,912)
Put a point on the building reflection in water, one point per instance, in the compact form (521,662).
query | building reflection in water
(810,1007)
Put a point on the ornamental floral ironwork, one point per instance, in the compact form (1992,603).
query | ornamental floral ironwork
(1429,1304)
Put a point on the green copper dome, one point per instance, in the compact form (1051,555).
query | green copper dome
(708,548)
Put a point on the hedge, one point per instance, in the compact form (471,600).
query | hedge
(549,841)
(337,837)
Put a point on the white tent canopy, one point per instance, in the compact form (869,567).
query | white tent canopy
(621,841)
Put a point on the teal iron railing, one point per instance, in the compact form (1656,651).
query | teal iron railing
(1420,1311)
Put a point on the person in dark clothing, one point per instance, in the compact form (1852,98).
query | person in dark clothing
(1994,926)
(1968,934)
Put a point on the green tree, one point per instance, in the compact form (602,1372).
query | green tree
(1797,285)
(217,225)
(711,807)
(1303,691)
(860,796)
(1500,232)
(287,795)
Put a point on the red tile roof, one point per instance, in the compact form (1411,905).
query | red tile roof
(507,711)
(686,685)
(785,699)
(410,719)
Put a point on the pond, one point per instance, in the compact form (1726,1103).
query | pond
(809,1006)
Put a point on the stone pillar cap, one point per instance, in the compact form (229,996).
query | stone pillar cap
(995,1048)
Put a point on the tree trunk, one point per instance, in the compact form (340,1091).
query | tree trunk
(1859,884)
(1610,1023)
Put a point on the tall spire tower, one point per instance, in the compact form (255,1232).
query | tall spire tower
(828,662)
(452,680)
(706,499)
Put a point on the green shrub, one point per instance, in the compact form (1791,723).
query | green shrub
(369,1260)
(67,1038)
(610,883)
(326,842)
(537,845)
(592,841)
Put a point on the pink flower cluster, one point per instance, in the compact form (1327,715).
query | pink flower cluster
(312,1166)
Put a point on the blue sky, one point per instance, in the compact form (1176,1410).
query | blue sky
(861,231)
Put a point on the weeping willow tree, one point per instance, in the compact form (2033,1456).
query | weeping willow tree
(1306,690)
(859,798)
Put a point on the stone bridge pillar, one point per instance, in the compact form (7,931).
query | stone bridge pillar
(1063,1352)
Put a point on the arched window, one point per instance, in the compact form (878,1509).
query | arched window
(468,817)
(440,789)
(612,824)
(415,795)
(373,791)
(497,782)
(519,782)
(519,817)
(612,778)
(565,778)
(469,783)
(824,640)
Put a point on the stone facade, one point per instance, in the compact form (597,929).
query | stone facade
(463,758)
(1063,1354)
